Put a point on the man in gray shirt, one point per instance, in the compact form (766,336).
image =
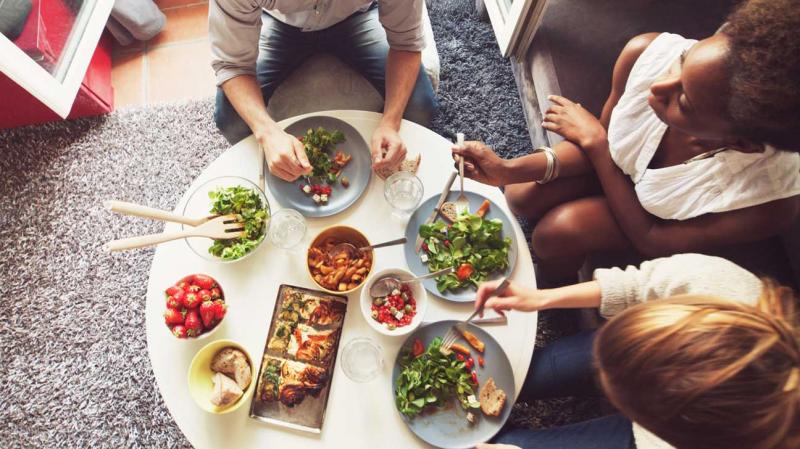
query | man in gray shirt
(257,43)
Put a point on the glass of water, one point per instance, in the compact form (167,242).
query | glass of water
(287,228)
(362,359)
(403,191)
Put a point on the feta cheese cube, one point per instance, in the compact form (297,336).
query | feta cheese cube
(324,198)
(306,189)
(316,198)
(398,315)
(424,258)
(395,292)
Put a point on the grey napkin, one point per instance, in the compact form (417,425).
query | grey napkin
(141,18)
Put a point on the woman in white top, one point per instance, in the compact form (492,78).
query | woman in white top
(698,354)
(696,148)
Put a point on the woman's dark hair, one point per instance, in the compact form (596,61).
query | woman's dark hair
(764,64)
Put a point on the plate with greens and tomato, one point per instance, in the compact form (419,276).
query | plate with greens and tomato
(453,399)
(480,245)
(341,168)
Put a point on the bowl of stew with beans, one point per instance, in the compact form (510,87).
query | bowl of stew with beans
(339,272)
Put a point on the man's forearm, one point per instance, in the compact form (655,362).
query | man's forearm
(402,69)
(532,167)
(245,96)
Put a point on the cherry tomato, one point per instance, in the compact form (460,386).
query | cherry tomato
(470,363)
(447,243)
(480,361)
(475,378)
(464,271)
(418,348)
(459,357)
(425,246)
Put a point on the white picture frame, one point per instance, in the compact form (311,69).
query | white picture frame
(514,23)
(58,90)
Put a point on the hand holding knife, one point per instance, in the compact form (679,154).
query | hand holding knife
(435,212)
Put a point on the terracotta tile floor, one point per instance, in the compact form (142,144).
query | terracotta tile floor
(173,66)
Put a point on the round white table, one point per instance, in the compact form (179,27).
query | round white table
(358,415)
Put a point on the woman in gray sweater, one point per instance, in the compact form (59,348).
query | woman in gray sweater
(698,353)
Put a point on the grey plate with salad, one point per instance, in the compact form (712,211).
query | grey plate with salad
(342,180)
(438,417)
(487,244)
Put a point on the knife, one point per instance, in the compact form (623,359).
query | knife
(262,175)
(435,211)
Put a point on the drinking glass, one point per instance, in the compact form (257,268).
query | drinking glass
(287,228)
(403,191)
(362,359)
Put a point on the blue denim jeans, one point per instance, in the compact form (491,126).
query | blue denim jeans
(359,41)
(565,368)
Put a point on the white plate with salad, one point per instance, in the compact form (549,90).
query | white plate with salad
(435,393)
(341,168)
(480,246)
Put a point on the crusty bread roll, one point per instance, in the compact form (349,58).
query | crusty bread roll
(233,362)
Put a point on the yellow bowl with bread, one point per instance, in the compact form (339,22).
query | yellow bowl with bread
(222,376)
(339,273)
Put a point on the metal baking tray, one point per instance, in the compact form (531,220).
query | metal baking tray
(308,414)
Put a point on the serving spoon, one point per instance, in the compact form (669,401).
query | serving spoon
(353,252)
(383,286)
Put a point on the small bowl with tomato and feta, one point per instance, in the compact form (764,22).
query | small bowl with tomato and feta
(195,307)
(399,312)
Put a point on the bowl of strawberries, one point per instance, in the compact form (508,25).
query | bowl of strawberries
(195,306)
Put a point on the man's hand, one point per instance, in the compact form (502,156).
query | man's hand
(285,155)
(388,149)
(574,123)
(514,297)
(481,163)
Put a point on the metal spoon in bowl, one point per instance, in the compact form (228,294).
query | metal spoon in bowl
(353,252)
(384,286)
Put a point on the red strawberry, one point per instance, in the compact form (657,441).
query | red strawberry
(179,296)
(193,289)
(219,309)
(183,285)
(194,326)
(203,281)
(191,300)
(216,293)
(173,303)
(179,331)
(172,290)
(172,316)
(204,295)
(208,314)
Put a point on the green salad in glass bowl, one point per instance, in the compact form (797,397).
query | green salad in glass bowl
(229,195)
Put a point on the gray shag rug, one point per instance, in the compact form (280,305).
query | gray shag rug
(74,370)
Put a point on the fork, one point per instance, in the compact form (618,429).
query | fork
(452,334)
(224,227)
(138,210)
(462,203)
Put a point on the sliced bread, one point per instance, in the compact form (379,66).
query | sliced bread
(411,164)
(492,399)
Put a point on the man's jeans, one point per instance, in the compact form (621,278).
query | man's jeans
(564,368)
(359,41)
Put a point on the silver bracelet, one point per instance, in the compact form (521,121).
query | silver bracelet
(553,164)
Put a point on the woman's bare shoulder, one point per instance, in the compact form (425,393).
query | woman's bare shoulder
(628,56)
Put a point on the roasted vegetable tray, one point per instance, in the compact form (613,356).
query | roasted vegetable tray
(299,357)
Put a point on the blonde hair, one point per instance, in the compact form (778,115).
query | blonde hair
(705,372)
